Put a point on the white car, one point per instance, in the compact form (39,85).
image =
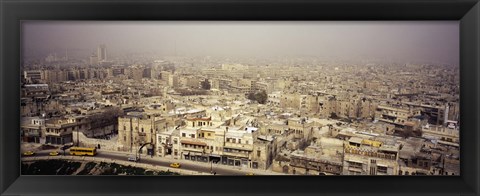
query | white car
(133,158)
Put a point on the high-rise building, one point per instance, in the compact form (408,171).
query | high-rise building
(94,59)
(102,53)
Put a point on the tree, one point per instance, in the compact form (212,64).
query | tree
(206,84)
(251,96)
(260,97)
(333,115)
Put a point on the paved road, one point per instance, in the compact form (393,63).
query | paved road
(185,164)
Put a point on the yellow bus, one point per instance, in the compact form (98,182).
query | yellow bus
(83,151)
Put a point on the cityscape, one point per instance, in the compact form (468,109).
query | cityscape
(247,98)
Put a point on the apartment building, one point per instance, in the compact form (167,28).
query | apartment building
(369,157)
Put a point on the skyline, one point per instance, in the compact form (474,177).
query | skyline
(436,42)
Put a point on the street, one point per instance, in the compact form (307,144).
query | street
(185,164)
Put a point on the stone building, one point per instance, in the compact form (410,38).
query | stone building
(370,157)
(136,129)
(321,158)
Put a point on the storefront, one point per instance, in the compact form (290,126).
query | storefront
(58,139)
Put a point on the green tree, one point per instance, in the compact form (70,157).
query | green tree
(251,96)
(260,97)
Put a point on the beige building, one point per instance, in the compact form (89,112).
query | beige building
(397,116)
(59,131)
(264,150)
(290,101)
(322,158)
(136,129)
(238,146)
(369,157)
(301,127)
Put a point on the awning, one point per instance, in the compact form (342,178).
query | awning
(193,143)
(381,165)
(215,155)
(239,148)
(355,161)
(448,143)
(355,169)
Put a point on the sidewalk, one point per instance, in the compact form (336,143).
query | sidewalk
(205,164)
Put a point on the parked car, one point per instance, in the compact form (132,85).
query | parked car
(175,165)
(54,153)
(28,153)
(133,158)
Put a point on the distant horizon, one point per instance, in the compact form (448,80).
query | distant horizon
(407,41)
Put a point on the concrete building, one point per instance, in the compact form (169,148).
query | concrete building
(370,157)
(322,158)
(102,53)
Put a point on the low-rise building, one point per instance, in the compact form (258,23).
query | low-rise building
(370,157)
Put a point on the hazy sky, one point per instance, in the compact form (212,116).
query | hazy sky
(409,41)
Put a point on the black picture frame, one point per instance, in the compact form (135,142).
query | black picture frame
(14,11)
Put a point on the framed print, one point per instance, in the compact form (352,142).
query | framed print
(240,97)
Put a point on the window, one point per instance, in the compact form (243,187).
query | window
(124,138)
(381,169)
(355,173)
(239,141)
(209,134)
(142,129)
(258,153)
(355,165)
(175,141)
(183,135)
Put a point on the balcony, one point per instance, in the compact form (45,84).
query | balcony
(236,154)
(59,133)
(191,149)
(247,147)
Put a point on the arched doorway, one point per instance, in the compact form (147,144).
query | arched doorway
(285,169)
